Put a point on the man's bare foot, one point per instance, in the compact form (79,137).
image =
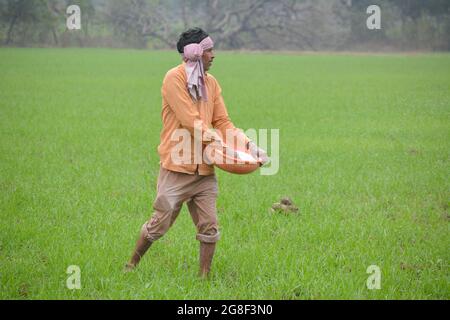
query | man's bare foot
(129,268)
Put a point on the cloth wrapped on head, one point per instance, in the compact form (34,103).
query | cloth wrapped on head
(192,55)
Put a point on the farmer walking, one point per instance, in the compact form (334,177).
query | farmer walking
(189,95)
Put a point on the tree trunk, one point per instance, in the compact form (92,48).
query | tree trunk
(55,36)
(184,15)
(10,29)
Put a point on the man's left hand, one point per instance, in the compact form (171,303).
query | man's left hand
(258,153)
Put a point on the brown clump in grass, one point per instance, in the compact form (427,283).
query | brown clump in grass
(285,206)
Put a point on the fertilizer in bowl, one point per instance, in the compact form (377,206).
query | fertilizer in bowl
(243,156)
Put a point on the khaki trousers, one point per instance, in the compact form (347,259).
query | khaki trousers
(175,188)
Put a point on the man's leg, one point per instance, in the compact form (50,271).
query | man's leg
(142,246)
(206,257)
(151,231)
(167,206)
(202,208)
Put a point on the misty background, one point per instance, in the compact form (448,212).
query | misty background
(311,25)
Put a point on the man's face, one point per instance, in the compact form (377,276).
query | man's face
(208,57)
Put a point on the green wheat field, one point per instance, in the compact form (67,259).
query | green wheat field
(364,154)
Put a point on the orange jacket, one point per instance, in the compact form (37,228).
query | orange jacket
(179,110)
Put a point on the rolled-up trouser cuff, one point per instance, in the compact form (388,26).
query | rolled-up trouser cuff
(208,238)
(146,234)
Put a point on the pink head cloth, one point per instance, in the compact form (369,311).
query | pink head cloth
(192,55)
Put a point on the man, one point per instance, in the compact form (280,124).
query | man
(190,96)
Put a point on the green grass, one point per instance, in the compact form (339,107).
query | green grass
(364,153)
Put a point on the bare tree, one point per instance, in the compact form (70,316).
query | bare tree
(141,20)
(262,24)
(234,24)
(18,11)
